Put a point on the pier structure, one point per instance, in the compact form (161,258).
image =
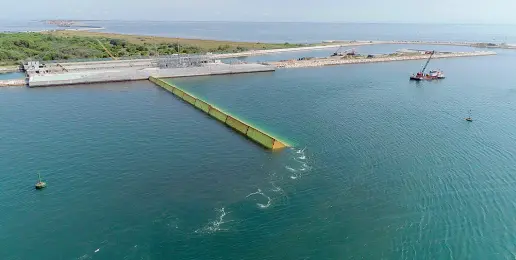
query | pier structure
(69,73)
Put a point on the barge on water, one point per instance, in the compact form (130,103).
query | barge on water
(432,75)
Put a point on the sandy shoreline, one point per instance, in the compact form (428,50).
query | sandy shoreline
(273,51)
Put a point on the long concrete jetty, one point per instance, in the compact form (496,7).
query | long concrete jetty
(79,73)
(246,129)
(346,60)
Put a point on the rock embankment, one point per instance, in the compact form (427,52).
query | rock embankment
(12,82)
(340,61)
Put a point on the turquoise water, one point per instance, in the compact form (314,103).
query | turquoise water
(382,168)
(12,75)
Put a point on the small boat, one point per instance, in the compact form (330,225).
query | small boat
(432,75)
(40,184)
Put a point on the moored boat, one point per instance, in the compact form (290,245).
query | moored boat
(432,75)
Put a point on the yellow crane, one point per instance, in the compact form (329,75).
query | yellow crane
(108,52)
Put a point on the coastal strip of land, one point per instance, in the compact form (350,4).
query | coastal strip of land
(294,49)
(183,45)
(79,57)
(71,45)
(445,43)
(319,62)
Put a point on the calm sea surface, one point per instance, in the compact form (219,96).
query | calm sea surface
(292,32)
(381,168)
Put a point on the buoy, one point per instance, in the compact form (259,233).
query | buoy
(40,184)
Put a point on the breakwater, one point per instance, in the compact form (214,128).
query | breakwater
(341,61)
(12,82)
(9,69)
(238,125)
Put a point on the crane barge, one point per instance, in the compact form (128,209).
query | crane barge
(433,74)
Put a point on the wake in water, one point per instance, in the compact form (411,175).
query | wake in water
(259,192)
(276,188)
(298,166)
(215,225)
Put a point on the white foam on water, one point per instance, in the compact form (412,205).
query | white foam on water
(215,225)
(265,206)
(290,169)
(260,205)
(298,165)
(84,257)
(276,188)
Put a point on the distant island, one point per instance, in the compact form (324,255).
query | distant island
(70,23)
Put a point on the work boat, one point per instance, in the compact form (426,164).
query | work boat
(434,74)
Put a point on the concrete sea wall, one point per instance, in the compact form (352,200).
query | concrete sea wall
(246,129)
(129,74)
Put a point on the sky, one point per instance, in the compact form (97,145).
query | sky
(391,11)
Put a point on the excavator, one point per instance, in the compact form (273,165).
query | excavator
(346,52)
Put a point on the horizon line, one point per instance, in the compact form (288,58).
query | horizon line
(264,22)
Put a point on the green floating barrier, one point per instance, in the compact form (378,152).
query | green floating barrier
(237,124)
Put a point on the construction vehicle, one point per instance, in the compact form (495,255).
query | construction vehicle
(346,52)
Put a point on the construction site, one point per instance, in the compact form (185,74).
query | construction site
(53,73)
(68,73)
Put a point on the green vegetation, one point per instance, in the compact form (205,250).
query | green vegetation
(65,45)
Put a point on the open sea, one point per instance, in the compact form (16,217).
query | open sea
(380,168)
